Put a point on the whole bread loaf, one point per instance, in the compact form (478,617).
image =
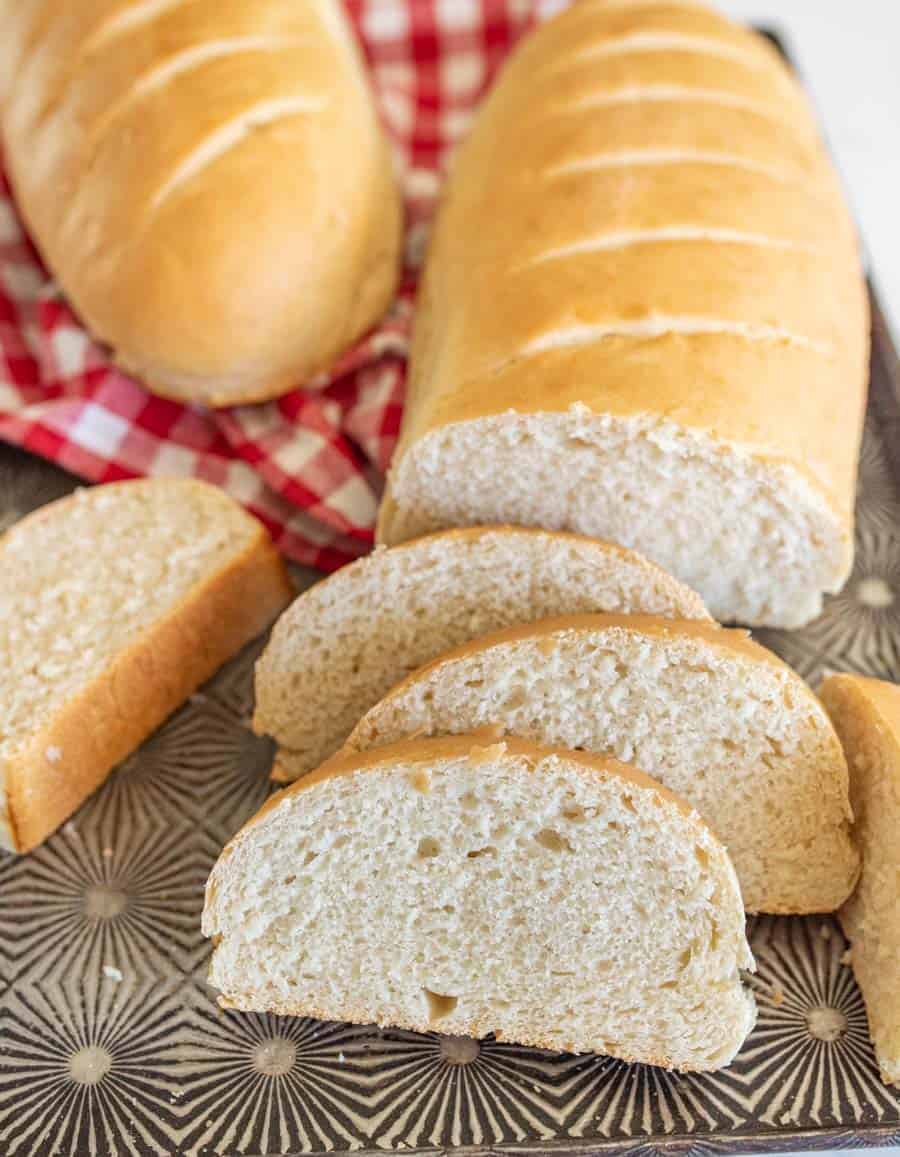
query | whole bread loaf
(548,897)
(206,179)
(706,711)
(642,316)
(348,640)
(866,713)
(115,604)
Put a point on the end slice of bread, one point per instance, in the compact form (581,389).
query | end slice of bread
(866,713)
(712,715)
(115,604)
(548,897)
(347,640)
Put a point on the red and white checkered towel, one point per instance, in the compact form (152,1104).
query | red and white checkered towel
(310,464)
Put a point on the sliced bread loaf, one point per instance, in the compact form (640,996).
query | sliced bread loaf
(548,897)
(710,714)
(346,641)
(115,604)
(866,713)
(642,309)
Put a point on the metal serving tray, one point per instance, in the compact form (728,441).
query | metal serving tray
(111,1042)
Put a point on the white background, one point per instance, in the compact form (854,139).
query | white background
(848,52)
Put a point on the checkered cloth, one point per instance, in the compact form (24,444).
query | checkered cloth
(310,464)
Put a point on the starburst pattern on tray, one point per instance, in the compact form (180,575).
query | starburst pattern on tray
(877,506)
(859,629)
(101,899)
(204,764)
(809,1060)
(257,1083)
(89,1069)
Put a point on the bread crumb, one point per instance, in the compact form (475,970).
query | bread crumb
(341,1058)
(107,853)
(776,995)
(112,973)
(420,781)
(71,830)
(53,754)
(825,932)
(847,957)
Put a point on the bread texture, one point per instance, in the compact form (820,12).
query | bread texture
(866,713)
(115,604)
(348,640)
(641,311)
(710,714)
(207,181)
(548,897)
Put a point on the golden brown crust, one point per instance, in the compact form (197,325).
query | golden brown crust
(144,684)
(880,700)
(208,183)
(426,751)
(732,639)
(539,173)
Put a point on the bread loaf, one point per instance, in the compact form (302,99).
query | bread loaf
(866,713)
(642,316)
(714,717)
(115,604)
(348,640)
(207,181)
(546,897)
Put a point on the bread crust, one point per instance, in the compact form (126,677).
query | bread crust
(534,179)
(208,183)
(876,705)
(57,768)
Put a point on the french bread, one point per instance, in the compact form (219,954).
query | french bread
(643,316)
(866,713)
(207,181)
(348,640)
(547,897)
(115,604)
(710,714)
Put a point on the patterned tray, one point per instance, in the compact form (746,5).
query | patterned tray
(111,1042)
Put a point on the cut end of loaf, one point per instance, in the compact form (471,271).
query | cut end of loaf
(503,899)
(345,642)
(757,540)
(866,714)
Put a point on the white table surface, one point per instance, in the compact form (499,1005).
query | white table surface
(849,54)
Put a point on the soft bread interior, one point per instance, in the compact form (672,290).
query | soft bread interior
(754,538)
(345,642)
(486,890)
(714,718)
(871,918)
(87,576)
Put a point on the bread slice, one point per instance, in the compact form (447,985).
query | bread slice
(716,718)
(866,713)
(346,641)
(115,604)
(549,897)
